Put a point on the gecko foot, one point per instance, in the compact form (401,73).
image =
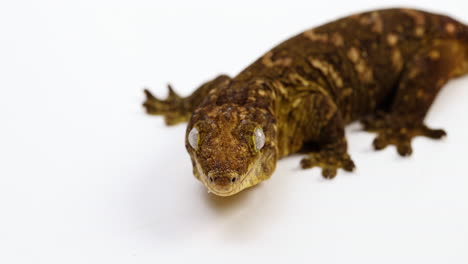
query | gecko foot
(173,108)
(330,161)
(398,132)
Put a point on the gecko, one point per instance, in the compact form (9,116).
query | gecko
(382,68)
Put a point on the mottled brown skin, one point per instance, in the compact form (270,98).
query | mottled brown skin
(383,68)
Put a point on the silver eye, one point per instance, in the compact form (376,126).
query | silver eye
(193,138)
(259,138)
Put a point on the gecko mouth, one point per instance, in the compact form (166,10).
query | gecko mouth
(221,192)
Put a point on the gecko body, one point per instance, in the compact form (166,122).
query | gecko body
(383,68)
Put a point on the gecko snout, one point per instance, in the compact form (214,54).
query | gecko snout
(222,179)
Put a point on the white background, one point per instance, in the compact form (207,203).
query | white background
(87,177)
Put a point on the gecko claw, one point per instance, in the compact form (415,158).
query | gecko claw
(148,94)
(172,95)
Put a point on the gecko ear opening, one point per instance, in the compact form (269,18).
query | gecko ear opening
(259,138)
(193,138)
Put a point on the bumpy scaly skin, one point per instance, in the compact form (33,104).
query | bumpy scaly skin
(384,68)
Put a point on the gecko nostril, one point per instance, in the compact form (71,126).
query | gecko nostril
(211,179)
(233,180)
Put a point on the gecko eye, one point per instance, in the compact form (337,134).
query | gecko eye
(193,138)
(259,138)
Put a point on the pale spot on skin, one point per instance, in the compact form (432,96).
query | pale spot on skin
(434,54)
(259,81)
(346,92)
(418,20)
(267,61)
(378,23)
(450,28)
(365,73)
(353,54)
(214,111)
(414,72)
(279,86)
(273,95)
(242,115)
(392,39)
(337,40)
(310,34)
(397,59)
(298,79)
(261,92)
(328,70)
(214,90)
(365,20)
(373,19)
(419,31)
(417,17)
(296,102)
(441,82)
(420,93)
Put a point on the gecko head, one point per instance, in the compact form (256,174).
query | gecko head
(231,147)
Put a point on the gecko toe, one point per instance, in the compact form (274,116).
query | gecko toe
(434,133)
(149,95)
(329,172)
(404,149)
(380,142)
(348,165)
(307,163)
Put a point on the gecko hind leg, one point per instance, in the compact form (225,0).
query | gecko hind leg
(422,79)
(174,108)
(398,131)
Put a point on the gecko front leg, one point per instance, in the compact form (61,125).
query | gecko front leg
(176,109)
(328,133)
